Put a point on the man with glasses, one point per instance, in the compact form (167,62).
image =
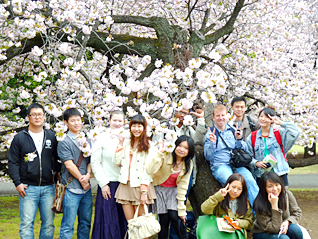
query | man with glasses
(32,162)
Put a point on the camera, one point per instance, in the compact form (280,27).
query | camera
(268,165)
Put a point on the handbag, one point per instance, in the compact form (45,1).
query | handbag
(207,226)
(143,226)
(60,188)
(239,158)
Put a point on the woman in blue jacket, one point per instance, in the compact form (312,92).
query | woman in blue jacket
(266,143)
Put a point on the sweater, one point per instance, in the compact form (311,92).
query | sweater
(271,222)
(160,168)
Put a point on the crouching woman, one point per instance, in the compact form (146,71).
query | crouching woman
(171,175)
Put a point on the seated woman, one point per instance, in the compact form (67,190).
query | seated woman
(231,201)
(277,212)
(171,174)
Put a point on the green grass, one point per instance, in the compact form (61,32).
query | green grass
(303,170)
(10,220)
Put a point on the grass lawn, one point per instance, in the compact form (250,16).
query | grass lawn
(10,220)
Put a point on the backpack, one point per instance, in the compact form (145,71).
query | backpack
(278,139)
(251,124)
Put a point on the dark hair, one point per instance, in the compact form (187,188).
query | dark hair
(237,99)
(144,144)
(268,111)
(242,200)
(116,112)
(261,203)
(34,106)
(70,112)
(190,155)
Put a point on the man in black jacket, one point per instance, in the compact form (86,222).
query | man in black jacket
(32,162)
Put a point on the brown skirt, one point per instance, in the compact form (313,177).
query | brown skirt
(128,195)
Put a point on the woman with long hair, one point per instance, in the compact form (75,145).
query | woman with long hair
(265,143)
(132,154)
(110,221)
(232,201)
(171,175)
(277,212)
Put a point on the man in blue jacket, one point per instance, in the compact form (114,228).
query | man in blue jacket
(32,162)
(218,154)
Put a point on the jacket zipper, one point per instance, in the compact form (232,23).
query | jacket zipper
(40,156)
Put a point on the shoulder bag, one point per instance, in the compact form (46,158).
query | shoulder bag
(239,158)
(60,188)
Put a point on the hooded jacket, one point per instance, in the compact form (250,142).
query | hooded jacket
(40,170)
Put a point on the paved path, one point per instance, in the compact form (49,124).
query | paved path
(295,181)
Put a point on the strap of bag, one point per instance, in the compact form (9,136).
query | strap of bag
(253,139)
(78,165)
(250,122)
(137,210)
(279,141)
(224,142)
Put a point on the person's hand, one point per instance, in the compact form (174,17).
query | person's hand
(261,164)
(183,218)
(259,107)
(237,223)
(84,181)
(106,192)
(284,226)
(212,136)
(224,191)
(273,200)
(162,147)
(143,198)
(199,113)
(238,132)
(275,120)
(20,188)
(121,141)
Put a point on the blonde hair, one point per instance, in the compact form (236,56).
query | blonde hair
(219,108)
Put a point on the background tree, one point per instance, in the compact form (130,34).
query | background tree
(154,57)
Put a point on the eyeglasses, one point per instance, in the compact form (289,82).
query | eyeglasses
(36,115)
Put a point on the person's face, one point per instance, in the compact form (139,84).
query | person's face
(74,124)
(264,120)
(36,117)
(220,118)
(239,108)
(136,130)
(117,121)
(182,150)
(180,114)
(273,188)
(236,189)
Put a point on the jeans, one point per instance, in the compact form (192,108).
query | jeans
(223,171)
(294,232)
(42,197)
(76,204)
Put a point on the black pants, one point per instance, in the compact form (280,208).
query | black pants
(176,222)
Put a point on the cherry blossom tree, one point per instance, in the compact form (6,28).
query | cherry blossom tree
(155,57)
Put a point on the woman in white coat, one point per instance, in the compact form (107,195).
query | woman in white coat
(132,154)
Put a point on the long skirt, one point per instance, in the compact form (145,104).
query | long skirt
(110,221)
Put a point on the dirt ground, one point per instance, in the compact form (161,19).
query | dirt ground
(308,202)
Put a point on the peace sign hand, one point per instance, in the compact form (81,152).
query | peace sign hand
(238,132)
(275,120)
(224,191)
(162,147)
(259,107)
(199,113)
(212,136)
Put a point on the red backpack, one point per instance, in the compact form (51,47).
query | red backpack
(278,139)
